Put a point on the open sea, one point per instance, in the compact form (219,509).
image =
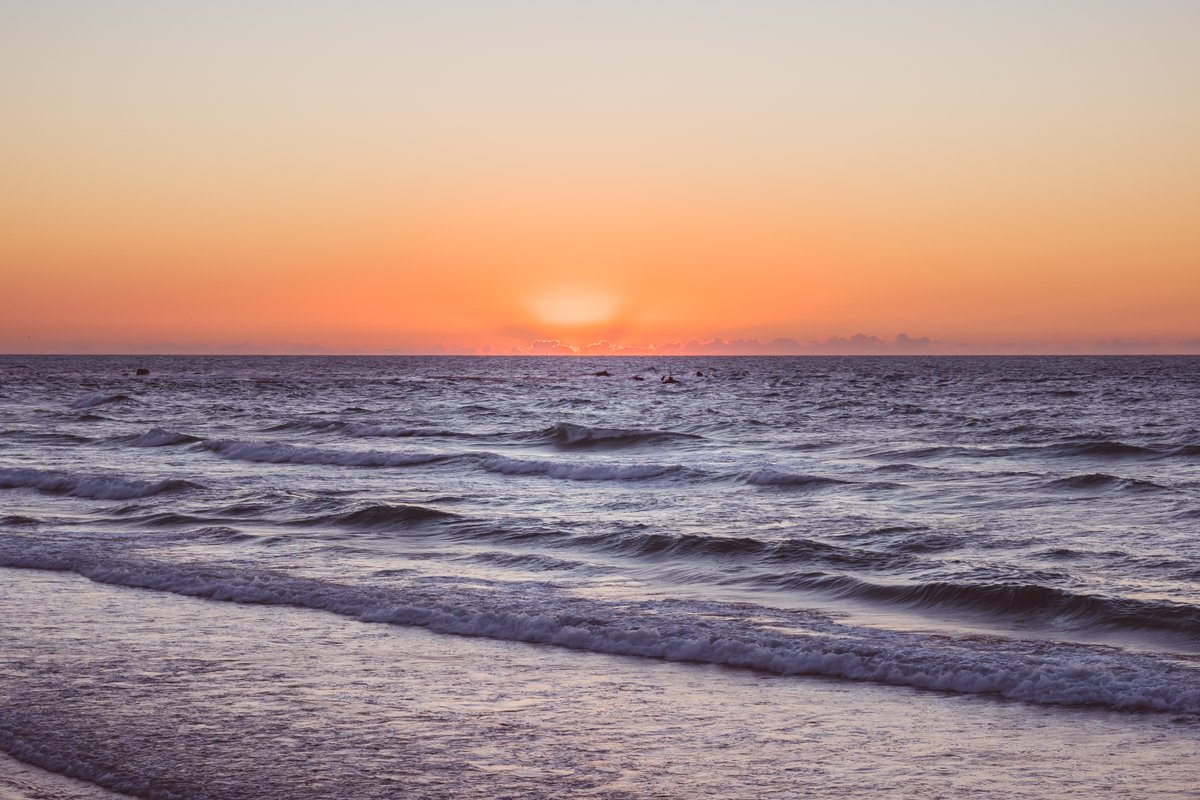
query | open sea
(454,577)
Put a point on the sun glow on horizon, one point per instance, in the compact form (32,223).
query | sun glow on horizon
(573,305)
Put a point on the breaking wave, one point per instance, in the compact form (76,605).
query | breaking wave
(1029,601)
(276,453)
(743,635)
(571,435)
(382,517)
(158,437)
(96,487)
(93,399)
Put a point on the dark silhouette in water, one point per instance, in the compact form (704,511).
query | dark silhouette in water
(142,371)
(668,378)
(636,378)
(602,373)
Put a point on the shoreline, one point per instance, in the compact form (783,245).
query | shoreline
(155,694)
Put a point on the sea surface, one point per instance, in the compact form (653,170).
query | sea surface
(319,577)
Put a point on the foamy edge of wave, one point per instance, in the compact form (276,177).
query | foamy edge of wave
(1075,675)
(93,399)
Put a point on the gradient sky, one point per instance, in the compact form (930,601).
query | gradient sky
(229,176)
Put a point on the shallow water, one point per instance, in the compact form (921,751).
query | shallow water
(268,701)
(933,558)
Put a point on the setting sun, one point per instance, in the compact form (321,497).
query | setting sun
(573,306)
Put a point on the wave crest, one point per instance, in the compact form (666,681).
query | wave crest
(577,471)
(159,437)
(95,487)
(694,545)
(778,478)
(93,399)
(1105,449)
(361,430)
(742,635)
(276,453)
(572,435)
(1101,480)
(1029,601)
(383,517)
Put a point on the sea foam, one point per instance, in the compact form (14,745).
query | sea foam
(741,635)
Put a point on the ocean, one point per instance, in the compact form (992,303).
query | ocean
(458,577)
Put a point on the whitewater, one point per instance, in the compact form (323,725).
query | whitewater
(545,577)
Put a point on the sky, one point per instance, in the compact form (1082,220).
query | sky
(649,176)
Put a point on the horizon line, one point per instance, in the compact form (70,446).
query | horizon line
(1135,354)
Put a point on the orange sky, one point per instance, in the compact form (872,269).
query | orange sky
(475,177)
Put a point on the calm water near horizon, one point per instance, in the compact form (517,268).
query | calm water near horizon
(241,577)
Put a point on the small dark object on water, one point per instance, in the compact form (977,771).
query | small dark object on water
(699,374)
(668,378)
(602,373)
(636,378)
(143,371)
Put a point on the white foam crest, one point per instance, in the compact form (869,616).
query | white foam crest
(93,399)
(737,636)
(96,487)
(275,453)
(595,471)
